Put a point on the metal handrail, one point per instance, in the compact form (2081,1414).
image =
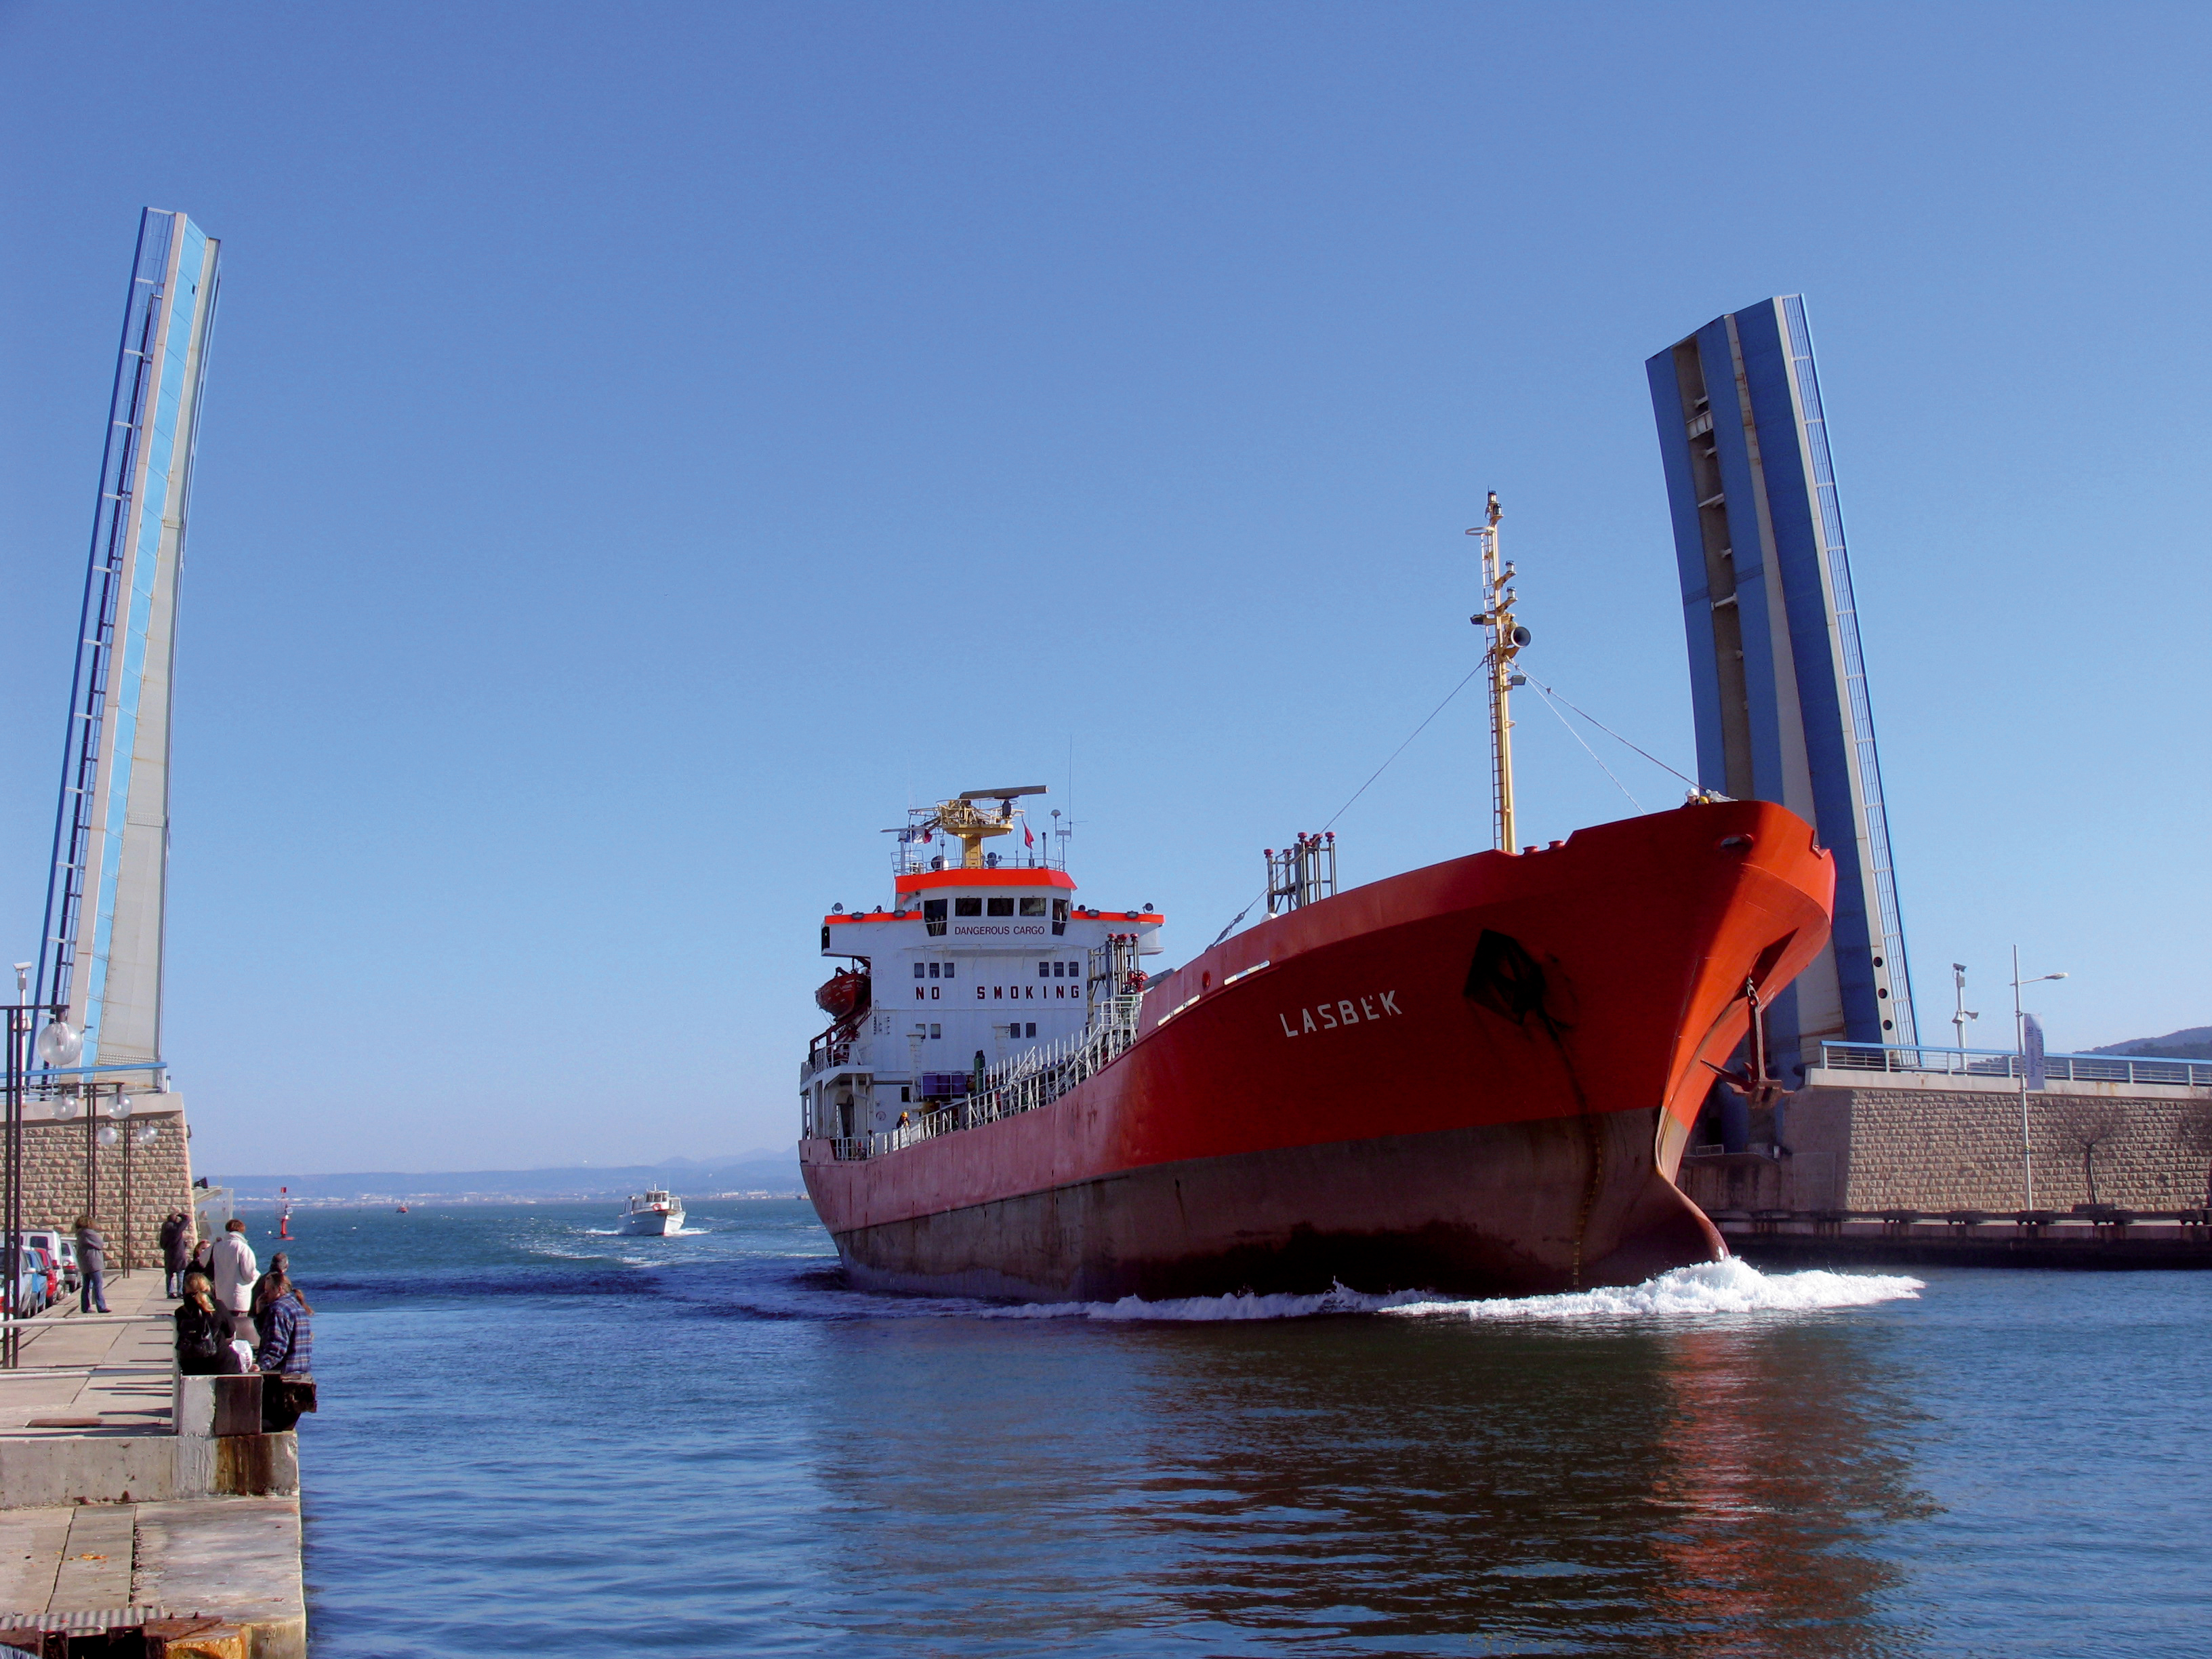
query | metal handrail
(43,1073)
(1036,1077)
(2007,1063)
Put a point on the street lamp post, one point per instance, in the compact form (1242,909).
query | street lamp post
(2020,1036)
(1959,1018)
(59,1038)
(11,1194)
(91,1093)
(119,1110)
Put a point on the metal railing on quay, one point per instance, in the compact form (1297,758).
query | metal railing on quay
(2102,1217)
(2006,1063)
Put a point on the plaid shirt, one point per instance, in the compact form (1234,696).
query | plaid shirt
(287,1342)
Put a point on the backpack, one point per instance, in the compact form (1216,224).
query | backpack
(197,1336)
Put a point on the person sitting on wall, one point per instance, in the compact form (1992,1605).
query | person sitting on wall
(286,1355)
(203,1331)
(280,1314)
(91,1268)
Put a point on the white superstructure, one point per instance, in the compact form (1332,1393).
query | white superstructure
(976,961)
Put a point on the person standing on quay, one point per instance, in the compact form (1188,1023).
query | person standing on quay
(91,1268)
(176,1251)
(235,1272)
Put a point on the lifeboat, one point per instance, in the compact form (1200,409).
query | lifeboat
(844,995)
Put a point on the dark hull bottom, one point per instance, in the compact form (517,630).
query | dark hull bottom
(1514,1209)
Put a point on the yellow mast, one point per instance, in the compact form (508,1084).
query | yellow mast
(1506,638)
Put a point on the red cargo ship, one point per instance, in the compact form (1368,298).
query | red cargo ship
(1476,1077)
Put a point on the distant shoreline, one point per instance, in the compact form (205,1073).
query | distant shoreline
(747,1174)
(385,1201)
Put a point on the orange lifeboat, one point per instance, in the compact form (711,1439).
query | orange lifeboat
(844,995)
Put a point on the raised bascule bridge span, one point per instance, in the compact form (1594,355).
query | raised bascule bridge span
(94,1126)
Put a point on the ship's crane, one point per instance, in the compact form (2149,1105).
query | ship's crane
(968,821)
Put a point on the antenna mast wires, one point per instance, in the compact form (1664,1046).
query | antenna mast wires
(1506,638)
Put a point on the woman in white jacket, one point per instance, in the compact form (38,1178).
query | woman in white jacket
(235,1270)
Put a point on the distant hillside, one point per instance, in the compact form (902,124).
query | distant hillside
(2195,1044)
(763,1170)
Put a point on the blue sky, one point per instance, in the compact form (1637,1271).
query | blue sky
(647,447)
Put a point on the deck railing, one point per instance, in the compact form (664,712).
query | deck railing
(2005,1063)
(1037,1077)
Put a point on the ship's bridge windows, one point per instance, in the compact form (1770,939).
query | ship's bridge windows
(967,907)
(932,918)
(1060,915)
(998,907)
(1033,907)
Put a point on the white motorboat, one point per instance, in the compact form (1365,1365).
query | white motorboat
(653,1215)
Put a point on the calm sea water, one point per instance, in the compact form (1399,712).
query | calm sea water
(539,1438)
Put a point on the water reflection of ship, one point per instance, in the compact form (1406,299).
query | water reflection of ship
(1531,1487)
(1781,1447)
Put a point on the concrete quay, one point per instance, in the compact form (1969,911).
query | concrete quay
(130,1521)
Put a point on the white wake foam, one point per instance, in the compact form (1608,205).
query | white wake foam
(1730,1287)
(1213,1308)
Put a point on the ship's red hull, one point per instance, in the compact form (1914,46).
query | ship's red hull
(1473,1078)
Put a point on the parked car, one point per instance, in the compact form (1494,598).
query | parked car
(35,1285)
(61,1245)
(58,1288)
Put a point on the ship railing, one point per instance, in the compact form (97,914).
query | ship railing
(1034,1078)
(826,1050)
(2009,1063)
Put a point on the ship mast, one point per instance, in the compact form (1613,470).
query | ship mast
(1506,638)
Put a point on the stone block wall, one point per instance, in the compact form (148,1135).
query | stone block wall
(1931,1149)
(1935,1149)
(55,1190)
